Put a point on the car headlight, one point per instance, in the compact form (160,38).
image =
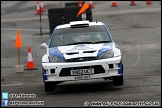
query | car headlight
(106,54)
(55,59)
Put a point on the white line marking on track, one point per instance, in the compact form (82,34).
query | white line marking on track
(7,85)
(137,58)
(24,29)
(11,85)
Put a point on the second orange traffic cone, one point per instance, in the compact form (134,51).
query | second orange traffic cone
(91,5)
(38,8)
(148,2)
(79,3)
(114,4)
(42,7)
(30,62)
(132,3)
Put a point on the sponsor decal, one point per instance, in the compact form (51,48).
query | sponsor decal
(80,47)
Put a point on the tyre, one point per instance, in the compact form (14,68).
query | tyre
(55,15)
(79,18)
(78,8)
(69,14)
(51,30)
(89,9)
(71,4)
(68,20)
(118,80)
(69,9)
(56,21)
(54,10)
(55,18)
(89,18)
(53,25)
(49,86)
(88,13)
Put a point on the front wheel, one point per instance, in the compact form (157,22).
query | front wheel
(49,86)
(118,80)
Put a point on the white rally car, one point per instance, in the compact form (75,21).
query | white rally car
(81,50)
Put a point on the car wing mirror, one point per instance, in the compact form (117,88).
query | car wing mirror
(44,46)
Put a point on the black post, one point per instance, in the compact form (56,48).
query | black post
(40,21)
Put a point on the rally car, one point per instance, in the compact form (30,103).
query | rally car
(81,50)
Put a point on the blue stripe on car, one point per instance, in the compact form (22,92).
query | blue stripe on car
(120,71)
(44,72)
(104,49)
(55,51)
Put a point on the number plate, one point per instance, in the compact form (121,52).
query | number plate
(82,77)
(82,71)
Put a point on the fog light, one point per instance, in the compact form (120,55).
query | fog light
(111,66)
(52,71)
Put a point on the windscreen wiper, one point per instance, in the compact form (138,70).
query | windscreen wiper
(101,42)
(79,43)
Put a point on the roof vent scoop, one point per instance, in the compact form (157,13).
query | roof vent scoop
(75,24)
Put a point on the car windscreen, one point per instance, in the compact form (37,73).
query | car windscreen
(70,36)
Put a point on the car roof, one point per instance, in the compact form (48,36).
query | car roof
(79,23)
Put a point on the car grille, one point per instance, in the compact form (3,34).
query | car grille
(81,59)
(66,71)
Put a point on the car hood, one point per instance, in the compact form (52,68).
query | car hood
(81,50)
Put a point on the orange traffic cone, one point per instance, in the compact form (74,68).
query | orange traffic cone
(148,2)
(114,4)
(79,3)
(42,7)
(91,5)
(30,63)
(38,8)
(132,3)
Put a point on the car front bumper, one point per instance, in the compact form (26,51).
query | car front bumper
(61,71)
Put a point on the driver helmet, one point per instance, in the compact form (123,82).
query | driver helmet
(96,37)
